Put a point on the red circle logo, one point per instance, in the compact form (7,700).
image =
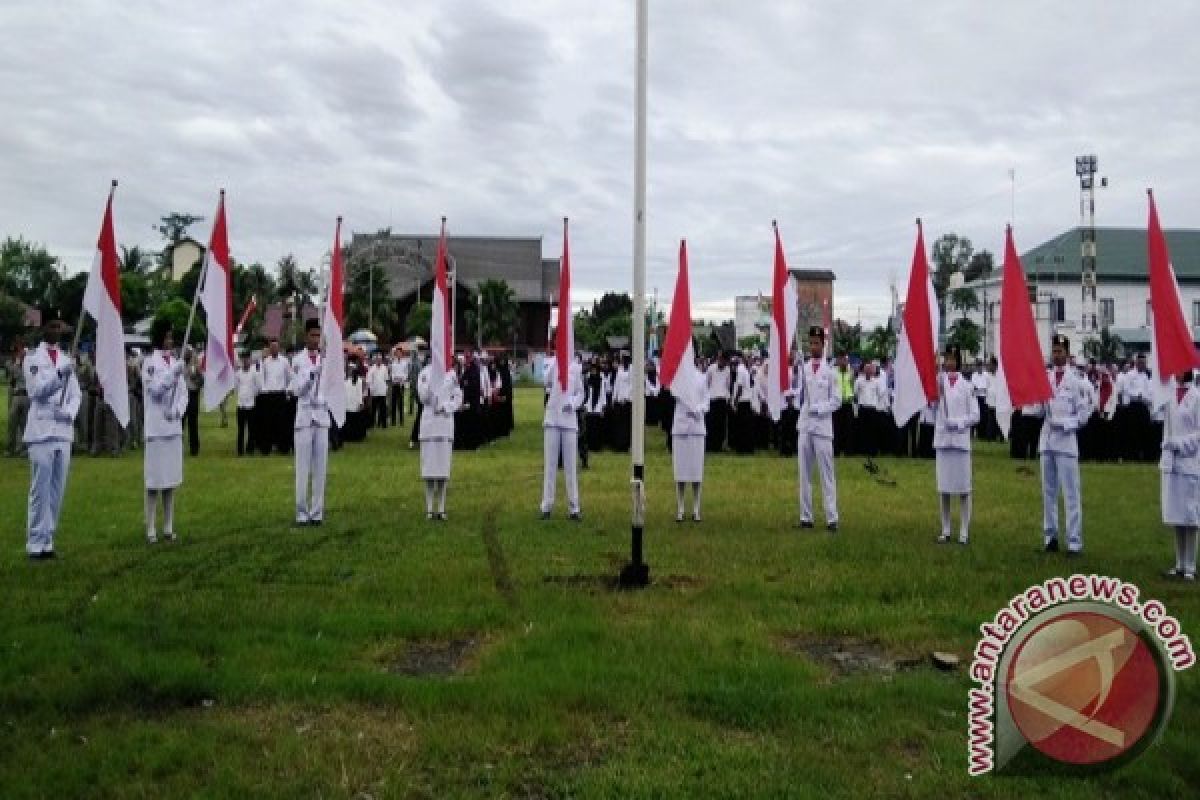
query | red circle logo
(1084,688)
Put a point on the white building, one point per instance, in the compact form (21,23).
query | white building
(751,316)
(1053,271)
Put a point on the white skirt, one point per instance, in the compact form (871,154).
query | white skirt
(1180,499)
(953,471)
(164,462)
(435,458)
(687,456)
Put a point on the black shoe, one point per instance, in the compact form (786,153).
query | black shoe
(441,516)
(804,524)
(1051,546)
(545,515)
(315,523)
(832,527)
(1074,553)
(45,555)
(300,523)
(1173,573)
(575,516)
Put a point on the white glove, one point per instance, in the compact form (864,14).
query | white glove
(63,418)
(176,368)
(65,369)
(1170,446)
(813,411)
(568,407)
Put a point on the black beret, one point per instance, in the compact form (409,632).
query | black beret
(313,324)
(1062,341)
(816,330)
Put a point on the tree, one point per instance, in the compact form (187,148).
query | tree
(846,338)
(753,342)
(178,311)
(500,311)
(951,254)
(135,260)
(612,304)
(881,343)
(368,299)
(979,267)
(1106,349)
(70,297)
(965,335)
(587,331)
(135,295)
(617,325)
(173,227)
(964,300)
(419,319)
(30,274)
(12,321)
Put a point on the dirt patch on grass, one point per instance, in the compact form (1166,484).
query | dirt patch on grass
(848,655)
(434,657)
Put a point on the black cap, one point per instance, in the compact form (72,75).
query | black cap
(313,324)
(159,330)
(1062,341)
(816,330)
(953,350)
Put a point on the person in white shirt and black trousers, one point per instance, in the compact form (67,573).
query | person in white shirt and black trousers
(311,428)
(249,384)
(377,386)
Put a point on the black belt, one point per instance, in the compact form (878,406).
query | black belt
(20,393)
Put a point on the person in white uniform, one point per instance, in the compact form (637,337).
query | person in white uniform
(688,435)
(560,433)
(957,412)
(439,400)
(311,429)
(1180,468)
(1059,450)
(54,399)
(820,397)
(165,401)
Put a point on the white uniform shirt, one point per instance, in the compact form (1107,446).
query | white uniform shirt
(689,420)
(377,380)
(249,382)
(398,371)
(312,411)
(1181,435)
(819,398)
(561,406)
(1137,388)
(1065,414)
(981,382)
(437,414)
(355,395)
(51,412)
(871,393)
(275,373)
(717,380)
(164,395)
(623,386)
(742,386)
(957,412)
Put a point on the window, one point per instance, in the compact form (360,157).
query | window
(1108,312)
(1060,309)
(1196,313)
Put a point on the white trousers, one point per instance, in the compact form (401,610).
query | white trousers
(818,451)
(559,442)
(48,466)
(312,456)
(1061,471)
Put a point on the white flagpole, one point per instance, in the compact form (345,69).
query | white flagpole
(636,573)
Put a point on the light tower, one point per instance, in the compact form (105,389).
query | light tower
(1085,168)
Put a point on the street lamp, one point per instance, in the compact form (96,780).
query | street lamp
(1085,169)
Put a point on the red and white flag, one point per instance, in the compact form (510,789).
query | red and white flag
(217,297)
(564,337)
(246,312)
(783,332)
(102,299)
(916,350)
(679,373)
(1021,376)
(333,359)
(1172,349)
(441,347)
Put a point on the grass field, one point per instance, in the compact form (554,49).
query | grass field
(384,656)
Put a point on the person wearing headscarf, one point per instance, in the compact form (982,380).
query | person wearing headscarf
(1180,468)
(440,400)
(165,402)
(956,414)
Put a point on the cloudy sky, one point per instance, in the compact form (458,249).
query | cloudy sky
(843,120)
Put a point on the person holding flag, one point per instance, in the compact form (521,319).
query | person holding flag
(217,375)
(1058,448)
(311,428)
(689,386)
(957,413)
(439,394)
(1175,395)
(560,421)
(54,398)
(164,403)
(819,398)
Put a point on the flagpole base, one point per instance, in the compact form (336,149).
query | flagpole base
(636,574)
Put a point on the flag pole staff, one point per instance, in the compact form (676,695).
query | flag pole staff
(62,397)
(636,573)
(187,332)
(328,299)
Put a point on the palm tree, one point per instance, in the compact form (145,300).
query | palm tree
(135,260)
(1106,349)
(500,312)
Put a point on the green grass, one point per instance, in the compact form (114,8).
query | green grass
(253,660)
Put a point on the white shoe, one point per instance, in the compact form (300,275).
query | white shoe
(963,539)
(945,537)
(679,516)
(696,516)
(151,538)
(169,536)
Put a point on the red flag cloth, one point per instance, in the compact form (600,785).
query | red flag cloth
(564,338)
(783,331)
(441,348)
(1020,352)
(679,328)
(253,304)
(217,297)
(916,348)
(1173,348)
(333,370)
(102,299)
